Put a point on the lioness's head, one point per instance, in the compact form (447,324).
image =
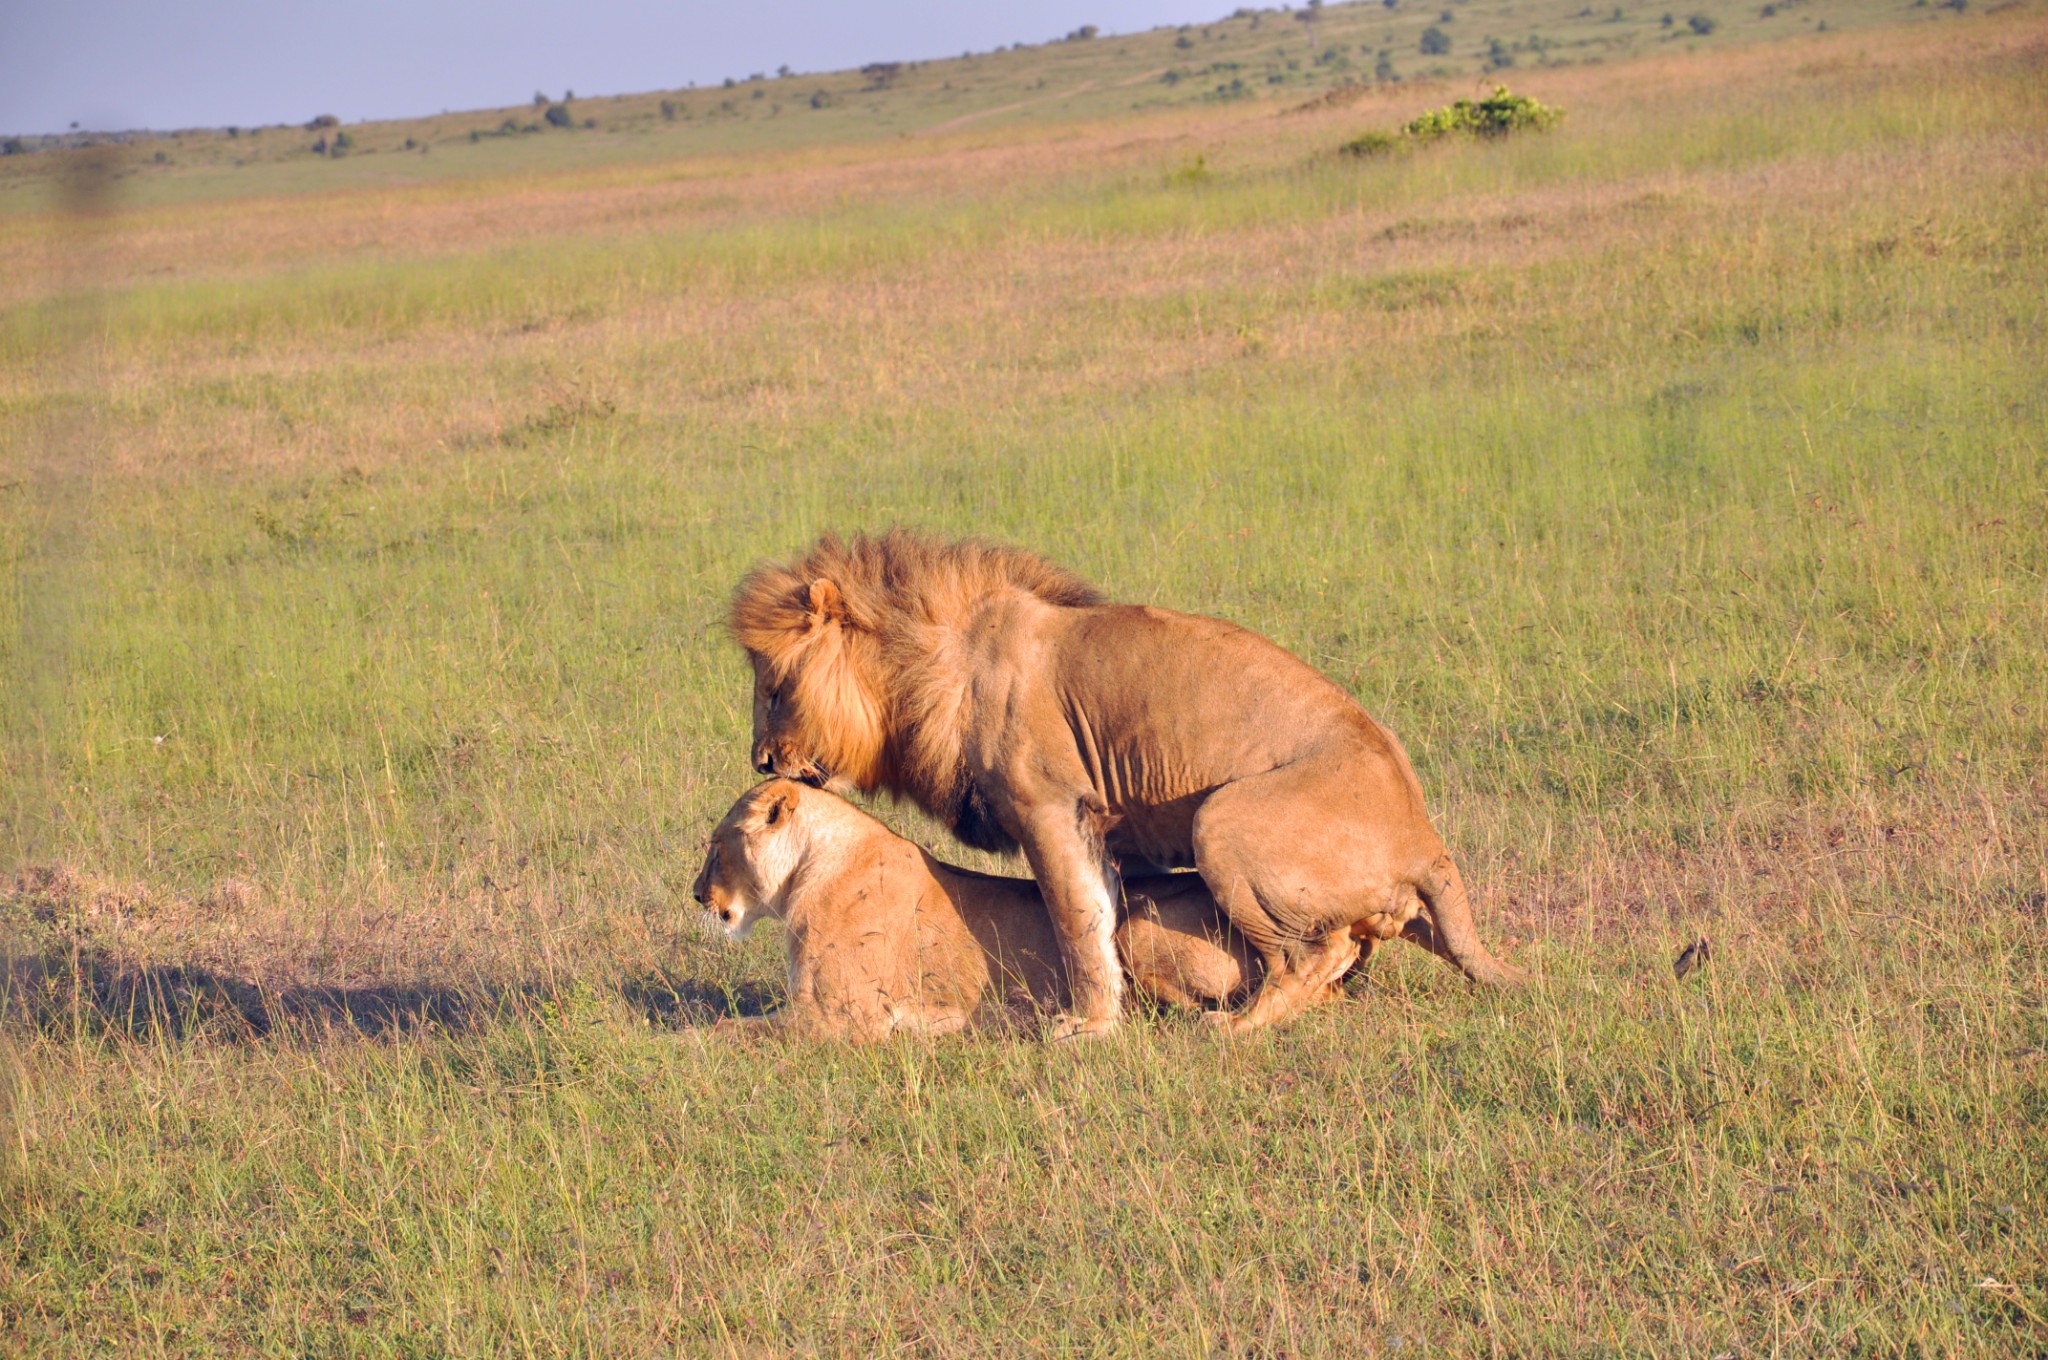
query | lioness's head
(754,852)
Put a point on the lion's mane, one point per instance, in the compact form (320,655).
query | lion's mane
(872,660)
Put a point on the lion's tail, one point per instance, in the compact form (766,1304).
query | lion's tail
(1455,936)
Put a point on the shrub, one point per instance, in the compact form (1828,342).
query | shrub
(1369,144)
(1435,42)
(822,100)
(1702,24)
(1083,33)
(341,145)
(1383,66)
(325,120)
(1495,116)
(13,146)
(558,115)
(669,109)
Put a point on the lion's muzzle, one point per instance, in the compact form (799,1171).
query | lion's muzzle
(777,761)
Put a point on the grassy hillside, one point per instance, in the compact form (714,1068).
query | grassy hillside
(1267,57)
(1674,482)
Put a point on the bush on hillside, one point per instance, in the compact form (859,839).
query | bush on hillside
(1494,116)
(1435,42)
(558,115)
(1374,143)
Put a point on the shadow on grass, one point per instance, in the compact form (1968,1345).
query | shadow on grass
(91,992)
(669,1002)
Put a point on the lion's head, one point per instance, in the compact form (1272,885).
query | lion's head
(753,854)
(847,645)
(818,714)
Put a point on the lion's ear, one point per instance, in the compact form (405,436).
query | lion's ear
(827,604)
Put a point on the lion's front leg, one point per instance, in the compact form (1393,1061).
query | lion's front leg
(1079,882)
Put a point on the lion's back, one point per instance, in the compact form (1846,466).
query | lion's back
(1161,705)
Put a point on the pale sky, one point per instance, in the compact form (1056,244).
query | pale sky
(166,64)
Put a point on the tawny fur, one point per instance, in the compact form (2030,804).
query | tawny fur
(999,692)
(884,939)
(861,640)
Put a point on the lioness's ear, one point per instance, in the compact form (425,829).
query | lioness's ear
(827,604)
(780,807)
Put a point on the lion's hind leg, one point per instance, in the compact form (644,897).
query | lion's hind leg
(1263,847)
(1309,978)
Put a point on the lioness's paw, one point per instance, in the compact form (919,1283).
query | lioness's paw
(1083,1027)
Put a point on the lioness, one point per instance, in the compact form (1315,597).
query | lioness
(999,692)
(882,937)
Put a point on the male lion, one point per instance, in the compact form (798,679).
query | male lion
(882,937)
(1000,692)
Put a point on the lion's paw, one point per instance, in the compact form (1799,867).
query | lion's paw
(1225,1022)
(1067,1027)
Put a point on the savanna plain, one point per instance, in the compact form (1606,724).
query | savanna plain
(1673,482)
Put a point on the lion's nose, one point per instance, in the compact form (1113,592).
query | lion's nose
(764,763)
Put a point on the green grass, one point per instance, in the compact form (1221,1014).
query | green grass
(1673,482)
